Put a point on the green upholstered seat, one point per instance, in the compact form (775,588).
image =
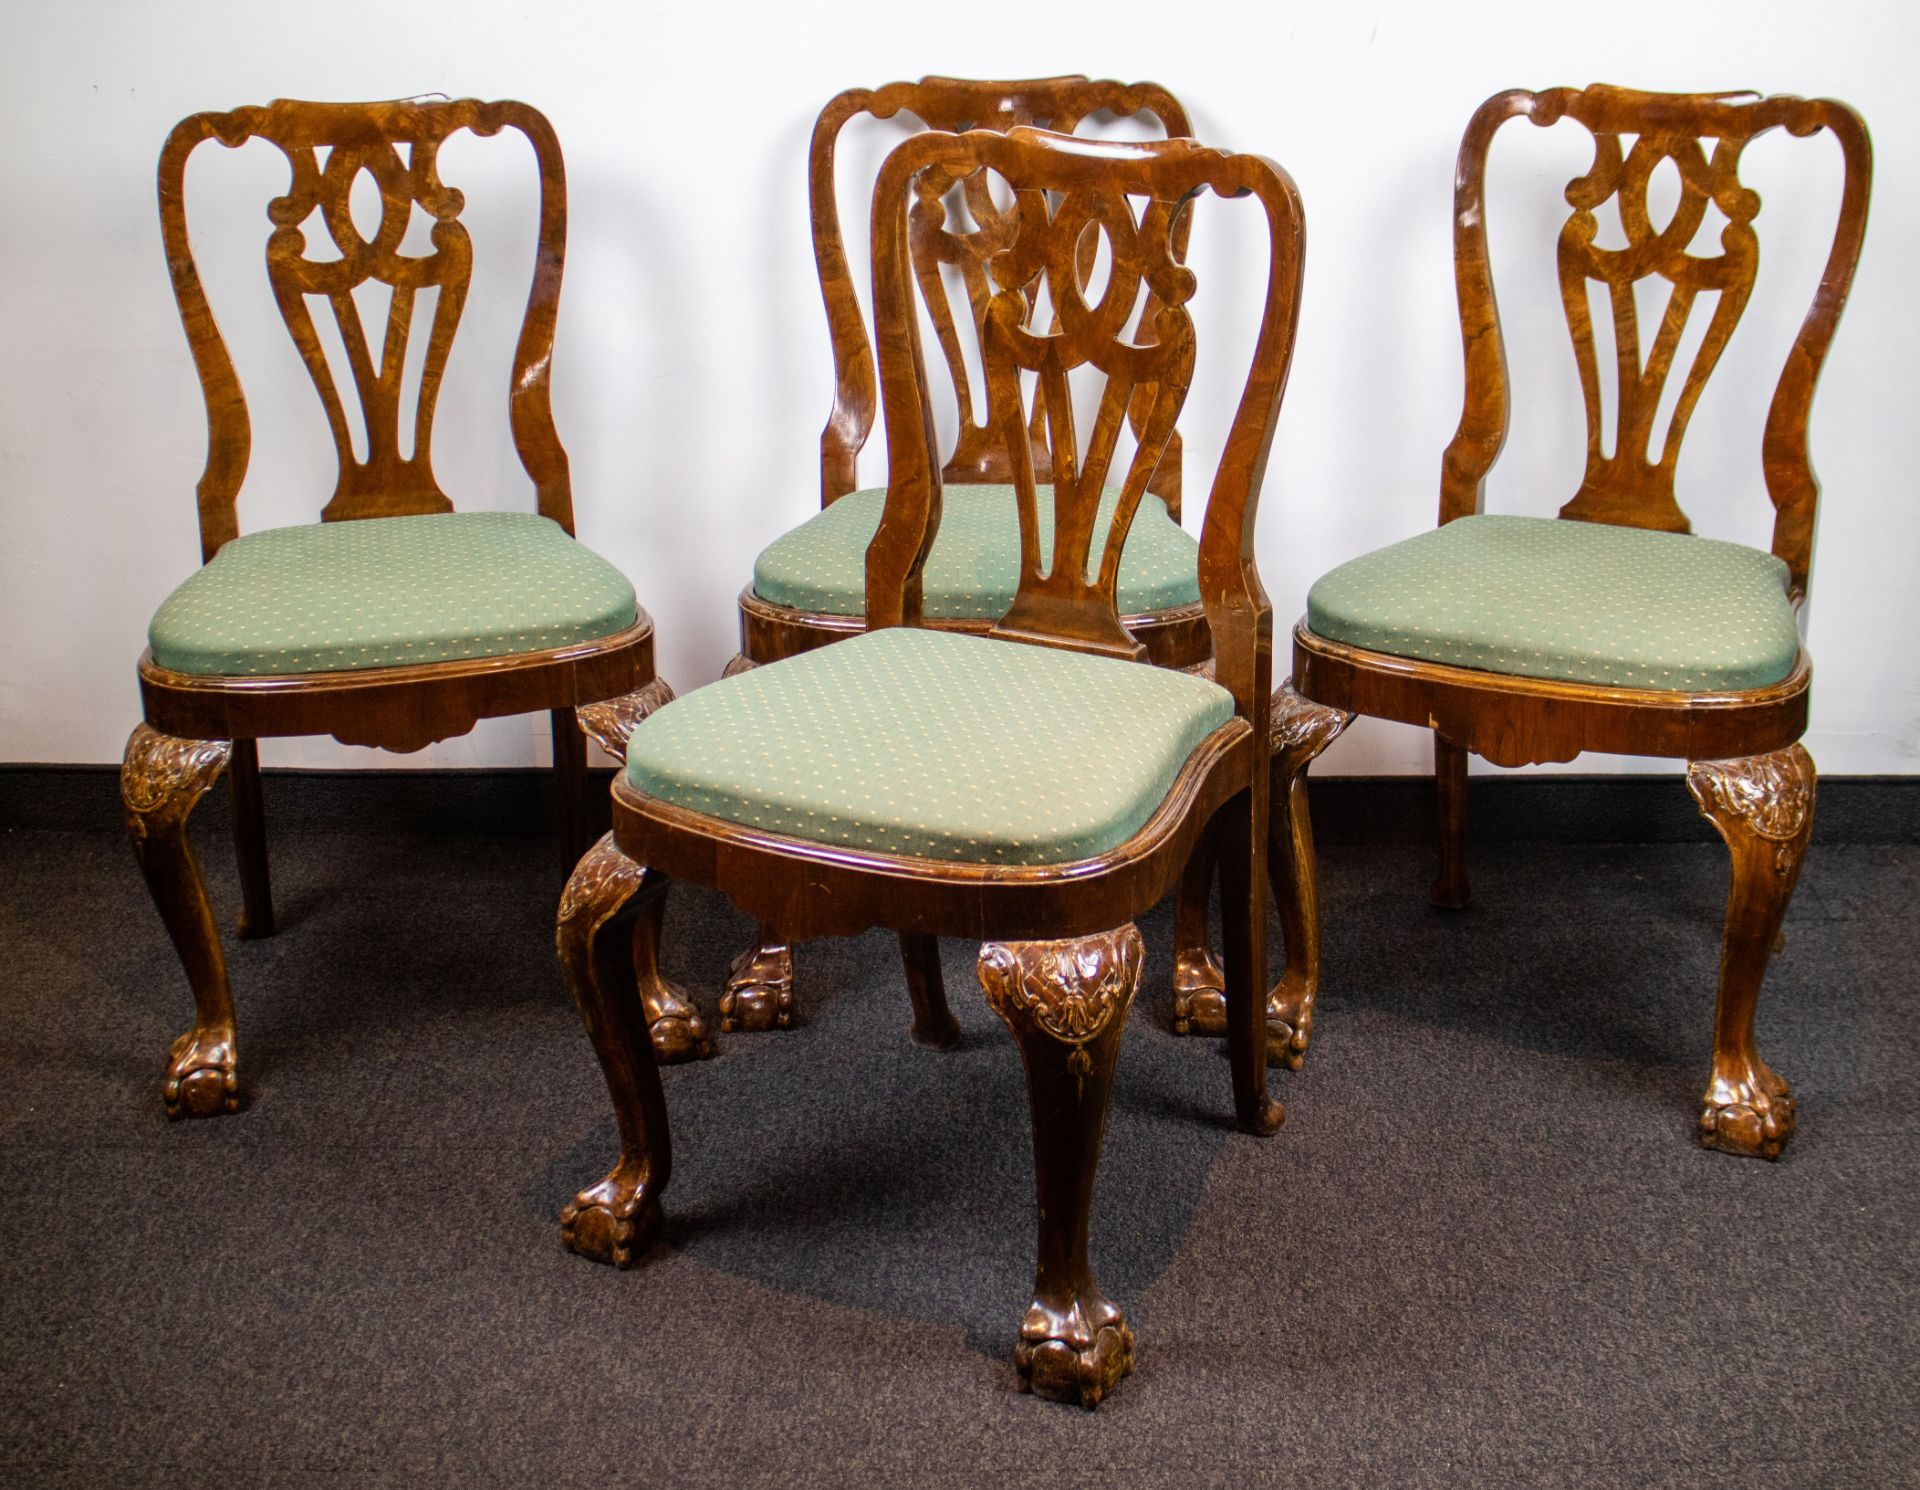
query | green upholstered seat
(935,744)
(971,574)
(381,592)
(1584,602)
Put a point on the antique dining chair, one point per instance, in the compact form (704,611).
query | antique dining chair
(1611,627)
(394,621)
(1034,788)
(808,586)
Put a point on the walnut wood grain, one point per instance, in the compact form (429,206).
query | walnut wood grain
(1632,486)
(1763,808)
(1629,479)
(1063,188)
(161,779)
(316,257)
(1301,731)
(955,105)
(961,227)
(1066,1004)
(615,1220)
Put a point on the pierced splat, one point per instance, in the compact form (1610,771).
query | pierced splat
(1703,135)
(1070,197)
(960,229)
(1147,368)
(329,148)
(1630,485)
(387,481)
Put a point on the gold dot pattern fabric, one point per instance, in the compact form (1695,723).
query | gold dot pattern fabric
(387,591)
(974,568)
(934,744)
(1536,597)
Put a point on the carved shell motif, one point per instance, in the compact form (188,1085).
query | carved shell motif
(1068,988)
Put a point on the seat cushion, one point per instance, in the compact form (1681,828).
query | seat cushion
(971,574)
(1540,597)
(379,592)
(933,743)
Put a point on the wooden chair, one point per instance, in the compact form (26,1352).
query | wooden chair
(1529,639)
(396,632)
(1033,788)
(808,586)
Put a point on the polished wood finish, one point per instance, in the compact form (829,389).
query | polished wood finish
(161,779)
(1066,1005)
(1301,731)
(679,1031)
(959,230)
(955,105)
(616,1220)
(1763,808)
(1740,737)
(328,147)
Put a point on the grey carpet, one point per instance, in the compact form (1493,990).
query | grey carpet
(1483,1251)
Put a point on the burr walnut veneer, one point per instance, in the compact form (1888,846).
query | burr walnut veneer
(199,722)
(1062,958)
(956,236)
(1750,776)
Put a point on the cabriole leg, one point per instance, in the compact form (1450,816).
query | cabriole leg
(1450,889)
(1066,1004)
(250,841)
(1762,806)
(1199,985)
(679,1033)
(933,1022)
(759,991)
(615,1220)
(1301,731)
(161,778)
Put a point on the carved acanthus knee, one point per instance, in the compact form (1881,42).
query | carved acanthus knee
(614,1220)
(1066,1003)
(161,779)
(1762,806)
(612,721)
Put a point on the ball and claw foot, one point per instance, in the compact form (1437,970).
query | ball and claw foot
(759,992)
(1200,1008)
(613,1222)
(203,1078)
(678,1039)
(1753,1116)
(1079,1356)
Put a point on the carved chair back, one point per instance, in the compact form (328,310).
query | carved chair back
(960,232)
(328,146)
(1138,335)
(1703,135)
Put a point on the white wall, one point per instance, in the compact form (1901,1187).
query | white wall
(692,370)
